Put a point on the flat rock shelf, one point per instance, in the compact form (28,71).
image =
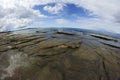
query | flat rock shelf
(33,54)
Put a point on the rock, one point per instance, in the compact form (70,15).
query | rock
(44,55)
(64,33)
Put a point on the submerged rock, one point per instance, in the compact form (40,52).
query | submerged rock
(47,55)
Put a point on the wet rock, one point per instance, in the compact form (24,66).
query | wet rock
(46,55)
(65,33)
(104,38)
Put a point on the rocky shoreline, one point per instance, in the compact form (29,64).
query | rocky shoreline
(58,55)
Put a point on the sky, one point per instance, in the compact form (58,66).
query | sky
(85,14)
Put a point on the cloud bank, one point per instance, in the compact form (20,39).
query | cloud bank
(15,14)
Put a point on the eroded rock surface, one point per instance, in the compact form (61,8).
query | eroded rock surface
(58,55)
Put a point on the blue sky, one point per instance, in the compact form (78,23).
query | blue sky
(87,14)
(69,11)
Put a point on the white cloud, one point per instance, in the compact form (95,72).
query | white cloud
(15,14)
(55,9)
(91,23)
(13,23)
(97,24)
(106,9)
(62,21)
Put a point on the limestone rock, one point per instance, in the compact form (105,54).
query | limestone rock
(62,55)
